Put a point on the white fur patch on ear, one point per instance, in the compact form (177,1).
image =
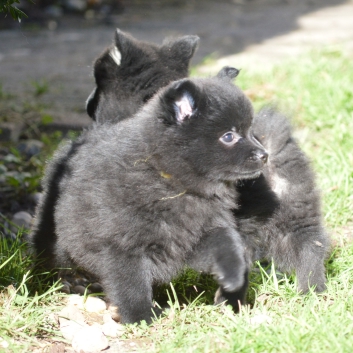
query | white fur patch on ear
(184,107)
(115,55)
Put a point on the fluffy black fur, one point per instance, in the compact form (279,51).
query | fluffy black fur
(286,227)
(130,72)
(121,90)
(279,214)
(141,199)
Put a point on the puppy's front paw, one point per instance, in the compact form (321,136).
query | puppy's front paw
(229,276)
(235,299)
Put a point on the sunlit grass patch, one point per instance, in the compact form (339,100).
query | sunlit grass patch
(279,320)
(26,298)
(316,92)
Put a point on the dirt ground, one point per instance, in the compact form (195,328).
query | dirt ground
(234,32)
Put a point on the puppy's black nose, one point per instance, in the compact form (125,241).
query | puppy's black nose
(262,155)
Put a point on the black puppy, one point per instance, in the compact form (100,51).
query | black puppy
(272,225)
(141,199)
(270,221)
(127,74)
(279,214)
(130,72)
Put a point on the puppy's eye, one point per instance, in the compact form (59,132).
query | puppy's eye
(229,138)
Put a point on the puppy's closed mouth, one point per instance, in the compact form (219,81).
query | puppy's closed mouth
(249,175)
(235,176)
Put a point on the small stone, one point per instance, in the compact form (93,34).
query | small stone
(9,231)
(3,169)
(10,131)
(66,283)
(70,328)
(79,289)
(89,339)
(21,219)
(96,288)
(36,197)
(90,304)
(114,312)
(52,25)
(54,348)
(112,328)
(71,321)
(76,300)
(71,312)
(65,289)
(95,305)
(30,147)
(107,318)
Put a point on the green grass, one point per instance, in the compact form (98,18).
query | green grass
(279,320)
(316,90)
(25,299)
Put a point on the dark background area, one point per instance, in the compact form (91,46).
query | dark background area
(59,41)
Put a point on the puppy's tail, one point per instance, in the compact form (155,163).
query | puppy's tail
(42,238)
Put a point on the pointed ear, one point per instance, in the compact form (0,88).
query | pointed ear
(181,49)
(228,73)
(180,102)
(109,62)
(123,42)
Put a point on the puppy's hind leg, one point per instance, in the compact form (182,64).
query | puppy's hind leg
(221,253)
(310,269)
(127,281)
(304,251)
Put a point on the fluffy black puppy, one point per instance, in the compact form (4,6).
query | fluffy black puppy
(130,72)
(141,199)
(127,74)
(279,214)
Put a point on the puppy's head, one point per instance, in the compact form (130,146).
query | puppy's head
(207,125)
(130,72)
